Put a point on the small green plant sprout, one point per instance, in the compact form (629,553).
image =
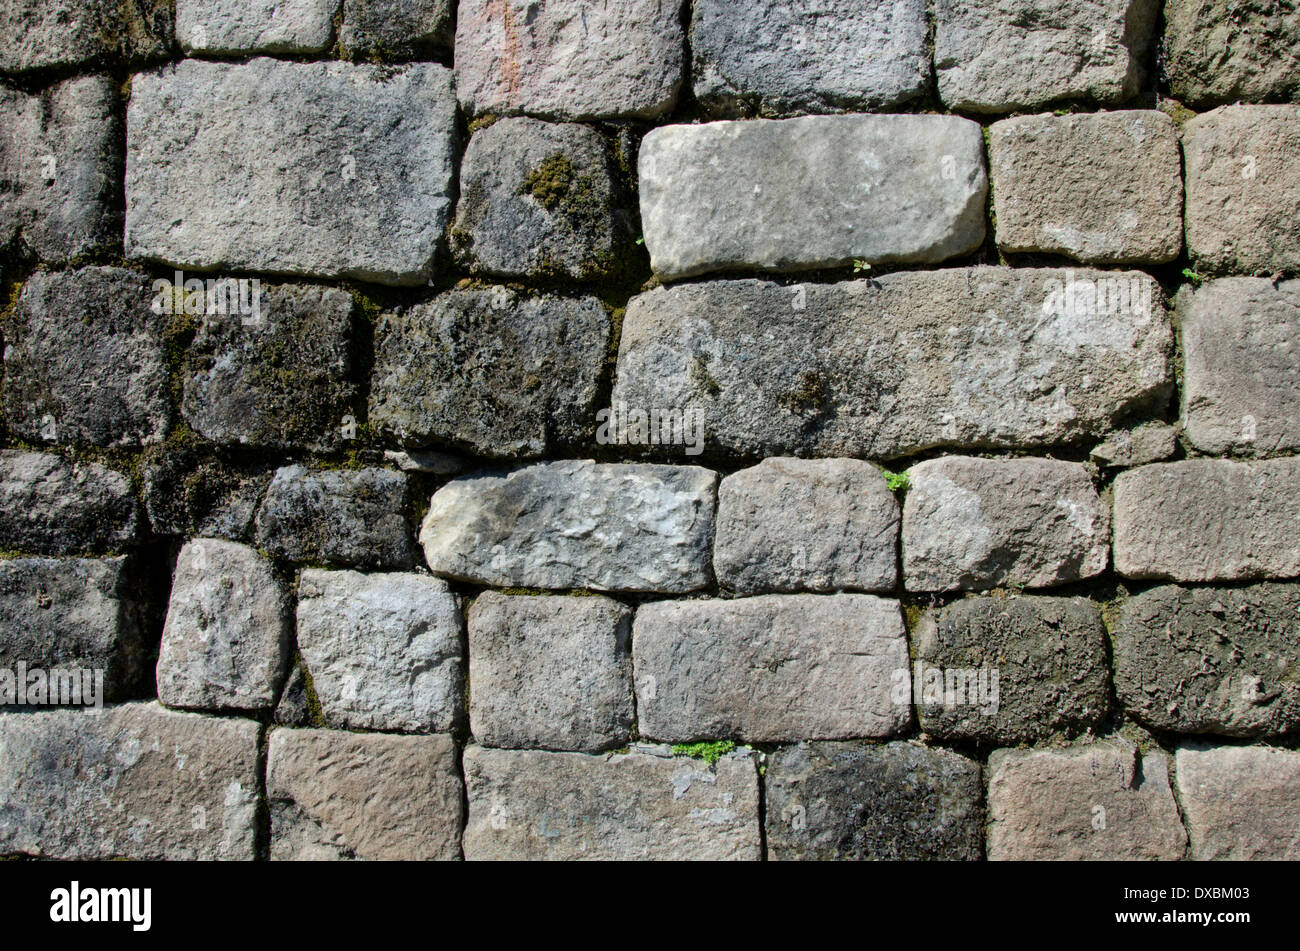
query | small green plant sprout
(1192,276)
(895,481)
(709,752)
(861,266)
(641,241)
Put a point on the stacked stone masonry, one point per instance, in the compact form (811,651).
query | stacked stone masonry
(488,429)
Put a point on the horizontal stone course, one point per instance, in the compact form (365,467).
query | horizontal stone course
(1239,802)
(260,26)
(50,505)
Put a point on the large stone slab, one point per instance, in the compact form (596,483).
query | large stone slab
(774,58)
(51,506)
(383,650)
(575,524)
(335,795)
(854,802)
(492,371)
(397,29)
(1241,378)
(819,191)
(1240,802)
(363,191)
(642,805)
(132,782)
(1093,801)
(963,358)
(807,525)
(1007,56)
(1208,520)
(71,34)
(771,669)
(569,61)
(1222,51)
(240,27)
(1211,660)
(971,523)
(1243,189)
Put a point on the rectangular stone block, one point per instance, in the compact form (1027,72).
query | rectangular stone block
(1223,51)
(813,192)
(240,27)
(575,524)
(362,191)
(72,34)
(371,797)
(132,782)
(960,359)
(636,806)
(771,669)
(1240,802)
(1208,520)
(397,29)
(51,506)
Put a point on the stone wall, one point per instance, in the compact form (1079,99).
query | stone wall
(634,429)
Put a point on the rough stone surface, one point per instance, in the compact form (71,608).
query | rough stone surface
(973,523)
(1149,442)
(775,58)
(1208,520)
(1095,801)
(1222,51)
(770,669)
(962,358)
(383,650)
(540,199)
(51,506)
(294,707)
(851,801)
(85,360)
(1049,655)
(277,378)
(68,34)
(225,645)
(60,161)
(354,517)
(1241,383)
(550,672)
(1243,189)
(1006,55)
(133,782)
(365,195)
(642,805)
(491,371)
(1102,188)
(336,795)
(396,29)
(191,494)
(575,524)
(569,61)
(1211,660)
(1240,802)
(807,525)
(255,26)
(818,191)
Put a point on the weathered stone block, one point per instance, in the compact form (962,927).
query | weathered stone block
(71,34)
(1222,51)
(51,506)
(190,494)
(396,29)
(240,27)
(1148,442)
(1240,802)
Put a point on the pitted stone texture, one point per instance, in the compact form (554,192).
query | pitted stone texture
(492,371)
(353,517)
(569,60)
(962,359)
(86,361)
(1009,55)
(770,669)
(1049,655)
(1211,660)
(1241,384)
(383,650)
(1208,520)
(1094,801)
(191,494)
(51,506)
(1243,189)
(1149,442)
(575,524)
(365,195)
(784,195)
(540,199)
(239,27)
(336,796)
(851,801)
(1102,188)
(60,161)
(550,672)
(396,29)
(1240,802)
(973,523)
(225,645)
(70,34)
(642,805)
(73,614)
(775,58)
(134,782)
(807,525)
(1222,51)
